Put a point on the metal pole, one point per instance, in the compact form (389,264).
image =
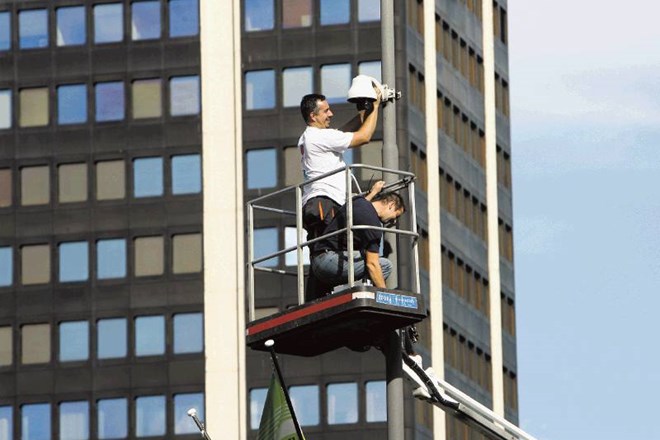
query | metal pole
(394,377)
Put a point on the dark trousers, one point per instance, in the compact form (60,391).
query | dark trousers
(318,212)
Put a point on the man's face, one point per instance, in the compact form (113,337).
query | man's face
(389,213)
(321,118)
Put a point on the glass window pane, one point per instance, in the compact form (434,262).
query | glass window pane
(74,261)
(149,335)
(111,258)
(368,10)
(35,421)
(35,264)
(74,420)
(108,23)
(183,424)
(6,423)
(150,416)
(74,341)
(342,403)
(6,354)
(305,401)
(296,82)
(34,107)
(335,11)
(110,180)
(145,20)
(149,256)
(148,177)
(110,100)
(259,89)
(187,253)
(111,338)
(112,418)
(71,29)
(291,258)
(257,402)
(72,104)
(292,169)
(371,68)
(186,174)
(261,168)
(33,28)
(265,243)
(5,109)
(6,266)
(147,99)
(35,343)
(184,95)
(296,13)
(259,15)
(6,188)
(184,18)
(335,82)
(188,333)
(72,182)
(35,185)
(376,401)
(5,30)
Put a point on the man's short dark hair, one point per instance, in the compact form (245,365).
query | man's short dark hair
(309,104)
(391,197)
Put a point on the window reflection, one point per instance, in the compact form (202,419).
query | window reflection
(335,11)
(183,424)
(376,401)
(342,403)
(257,402)
(145,20)
(368,10)
(296,82)
(148,177)
(72,104)
(35,421)
(111,338)
(259,89)
(112,418)
(149,335)
(74,420)
(111,258)
(184,95)
(150,416)
(74,341)
(265,243)
(110,101)
(259,15)
(261,168)
(33,28)
(74,261)
(186,174)
(184,18)
(335,81)
(5,30)
(71,29)
(188,333)
(108,23)
(305,400)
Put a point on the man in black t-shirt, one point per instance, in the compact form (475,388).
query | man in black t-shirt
(330,257)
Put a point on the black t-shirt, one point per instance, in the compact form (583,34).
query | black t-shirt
(363,239)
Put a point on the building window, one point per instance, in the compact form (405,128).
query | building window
(147,99)
(148,177)
(35,264)
(71,28)
(110,180)
(296,82)
(35,344)
(72,182)
(108,23)
(257,402)
(187,253)
(188,333)
(262,168)
(335,11)
(33,28)
(111,338)
(291,258)
(292,169)
(110,101)
(259,15)
(74,341)
(259,89)
(35,421)
(184,95)
(296,13)
(33,107)
(342,403)
(186,174)
(6,423)
(6,267)
(112,419)
(183,424)
(149,256)
(5,108)
(305,400)
(371,68)
(265,243)
(376,401)
(74,261)
(6,190)
(74,420)
(145,20)
(149,335)
(111,258)
(184,18)
(335,81)
(368,10)
(5,30)
(149,416)
(71,104)
(6,356)
(35,185)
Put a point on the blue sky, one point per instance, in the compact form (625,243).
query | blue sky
(585,96)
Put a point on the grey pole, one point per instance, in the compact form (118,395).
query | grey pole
(394,370)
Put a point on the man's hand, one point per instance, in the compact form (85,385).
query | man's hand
(375,189)
(372,262)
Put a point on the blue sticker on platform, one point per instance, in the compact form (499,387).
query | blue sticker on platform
(394,299)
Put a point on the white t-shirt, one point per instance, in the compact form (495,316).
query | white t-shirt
(322,151)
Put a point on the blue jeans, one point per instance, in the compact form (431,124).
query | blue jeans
(332,267)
